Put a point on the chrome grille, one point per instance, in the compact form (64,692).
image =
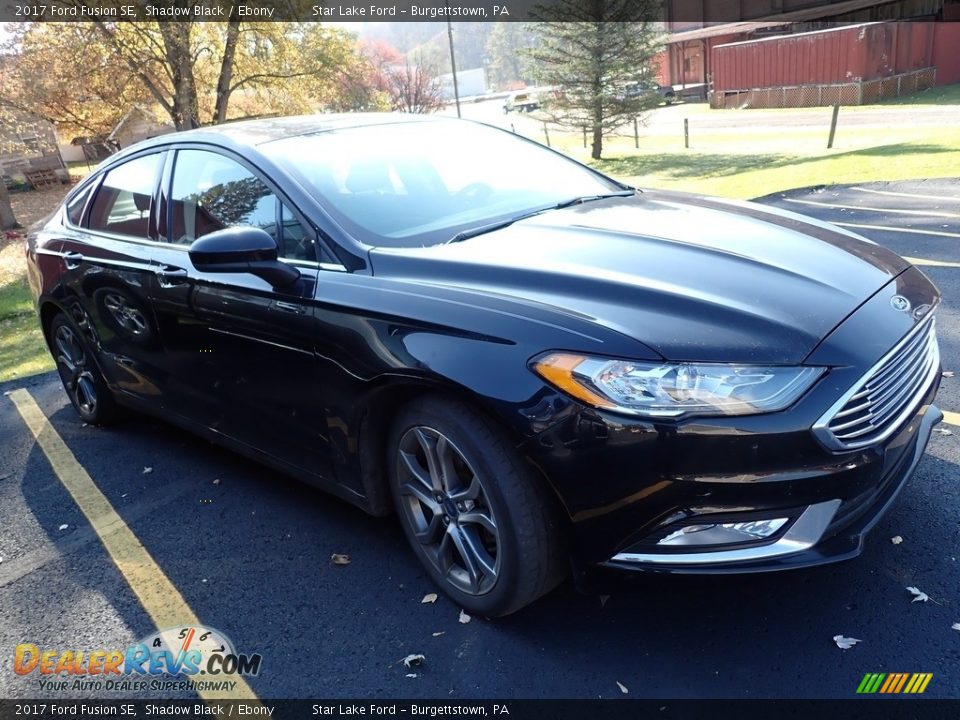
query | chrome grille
(886,396)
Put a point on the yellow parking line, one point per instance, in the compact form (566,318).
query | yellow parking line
(925,213)
(930,263)
(945,198)
(901,230)
(951,418)
(159,597)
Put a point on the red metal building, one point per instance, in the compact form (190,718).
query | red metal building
(849,65)
(696,30)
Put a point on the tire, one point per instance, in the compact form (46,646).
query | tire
(81,378)
(477,518)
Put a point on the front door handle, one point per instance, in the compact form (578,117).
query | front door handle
(72,260)
(289,307)
(169,275)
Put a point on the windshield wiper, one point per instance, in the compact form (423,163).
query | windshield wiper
(590,198)
(483,229)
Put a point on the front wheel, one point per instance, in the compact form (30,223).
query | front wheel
(476,517)
(81,378)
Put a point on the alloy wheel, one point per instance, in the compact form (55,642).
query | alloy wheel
(446,505)
(73,366)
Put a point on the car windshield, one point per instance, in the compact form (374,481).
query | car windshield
(412,184)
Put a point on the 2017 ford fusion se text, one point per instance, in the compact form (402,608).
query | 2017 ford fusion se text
(538,369)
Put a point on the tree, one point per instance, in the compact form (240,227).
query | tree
(7,219)
(10,125)
(506,45)
(596,53)
(366,87)
(84,76)
(414,87)
(66,73)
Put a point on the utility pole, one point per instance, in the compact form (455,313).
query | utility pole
(453,61)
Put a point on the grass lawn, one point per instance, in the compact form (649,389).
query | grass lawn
(728,169)
(22,350)
(751,153)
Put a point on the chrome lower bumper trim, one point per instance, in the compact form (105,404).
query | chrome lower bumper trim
(802,535)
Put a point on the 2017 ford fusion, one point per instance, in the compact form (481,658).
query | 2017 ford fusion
(536,367)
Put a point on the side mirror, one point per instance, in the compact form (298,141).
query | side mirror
(242,250)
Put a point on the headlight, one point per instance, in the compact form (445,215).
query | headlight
(671,390)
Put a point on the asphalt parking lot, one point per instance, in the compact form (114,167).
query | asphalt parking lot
(249,552)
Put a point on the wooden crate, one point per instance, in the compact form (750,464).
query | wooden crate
(41,179)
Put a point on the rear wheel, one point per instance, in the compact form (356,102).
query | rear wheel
(480,523)
(79,374)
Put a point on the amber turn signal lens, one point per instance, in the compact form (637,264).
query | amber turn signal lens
(557,369)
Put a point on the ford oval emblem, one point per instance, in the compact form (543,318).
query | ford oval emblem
(899,302)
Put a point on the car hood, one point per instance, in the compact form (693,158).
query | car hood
(693,278)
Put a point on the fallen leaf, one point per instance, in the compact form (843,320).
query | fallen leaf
(623,688)
(64,526)
(955,626)
(411,675)
(124,495)
(429,598)
(464,618)
(338,558)
(947,373)
(413,660)
(147,470)
(917,595)
(845,643)
(216,481)
(603,600)
(943,431)
(896,539)
(438,634)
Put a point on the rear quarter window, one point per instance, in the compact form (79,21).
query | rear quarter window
(122,204)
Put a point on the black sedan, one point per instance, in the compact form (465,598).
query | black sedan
(538,369)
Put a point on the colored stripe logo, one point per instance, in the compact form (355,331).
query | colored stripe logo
(894,683)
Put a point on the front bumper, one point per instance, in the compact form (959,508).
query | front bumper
(825,532)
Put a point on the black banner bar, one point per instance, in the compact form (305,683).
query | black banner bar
(889,708)
(682,11)
(269,10)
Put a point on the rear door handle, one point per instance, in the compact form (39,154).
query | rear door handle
(289,307)
(72,260)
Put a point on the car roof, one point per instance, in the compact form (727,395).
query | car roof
(264,130)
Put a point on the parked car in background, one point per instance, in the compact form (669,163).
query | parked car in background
(522,101)
(538,368)
(653,89)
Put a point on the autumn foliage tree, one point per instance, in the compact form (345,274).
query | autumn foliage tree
(366,85)
(414,87)
(85,76)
